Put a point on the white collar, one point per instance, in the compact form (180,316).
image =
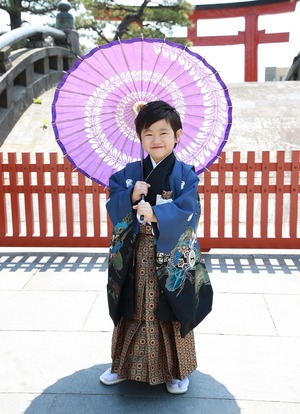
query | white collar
(155,164)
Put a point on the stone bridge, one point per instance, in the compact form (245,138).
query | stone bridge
(33,72)
(26,73)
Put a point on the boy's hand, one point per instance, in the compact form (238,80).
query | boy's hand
(144,209)
(140,188)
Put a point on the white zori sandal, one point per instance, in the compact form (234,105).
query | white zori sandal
(109,378)
(178,386)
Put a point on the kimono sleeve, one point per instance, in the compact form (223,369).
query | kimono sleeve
(119,204)
(173,218)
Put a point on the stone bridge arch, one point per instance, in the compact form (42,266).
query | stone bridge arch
(26,73)
(33,71)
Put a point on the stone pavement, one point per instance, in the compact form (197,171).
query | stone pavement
(55,336)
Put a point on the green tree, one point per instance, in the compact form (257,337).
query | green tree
(15,8)
(111,20)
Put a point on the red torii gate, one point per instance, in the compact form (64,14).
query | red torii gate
(251,37)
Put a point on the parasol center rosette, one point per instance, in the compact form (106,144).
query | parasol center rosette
(96,103)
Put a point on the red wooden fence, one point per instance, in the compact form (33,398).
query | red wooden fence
(248,201)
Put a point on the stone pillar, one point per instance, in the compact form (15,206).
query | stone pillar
(64,19)
(5,62)
(65,22)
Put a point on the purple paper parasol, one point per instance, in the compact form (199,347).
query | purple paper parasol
(96,103)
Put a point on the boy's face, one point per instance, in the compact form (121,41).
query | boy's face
(159,139)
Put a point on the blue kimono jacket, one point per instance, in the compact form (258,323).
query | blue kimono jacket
(186,293)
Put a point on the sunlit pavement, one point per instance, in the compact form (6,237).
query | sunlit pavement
(55,335)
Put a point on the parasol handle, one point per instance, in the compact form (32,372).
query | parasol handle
(142,218)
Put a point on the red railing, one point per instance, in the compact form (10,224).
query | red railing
(248,201)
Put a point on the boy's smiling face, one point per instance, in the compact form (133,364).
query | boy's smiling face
(159,139)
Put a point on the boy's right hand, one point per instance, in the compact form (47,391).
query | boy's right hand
(140,188)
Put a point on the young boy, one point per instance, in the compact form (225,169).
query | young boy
(158,287)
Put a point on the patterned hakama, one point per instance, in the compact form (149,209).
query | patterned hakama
(145,349)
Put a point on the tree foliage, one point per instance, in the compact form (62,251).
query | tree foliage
(104,21)
(113,20)
(15,8)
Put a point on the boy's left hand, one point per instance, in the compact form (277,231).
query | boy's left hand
(144,209)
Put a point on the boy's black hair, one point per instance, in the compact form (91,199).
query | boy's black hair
(155,111)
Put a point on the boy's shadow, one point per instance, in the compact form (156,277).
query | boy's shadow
(82,393)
